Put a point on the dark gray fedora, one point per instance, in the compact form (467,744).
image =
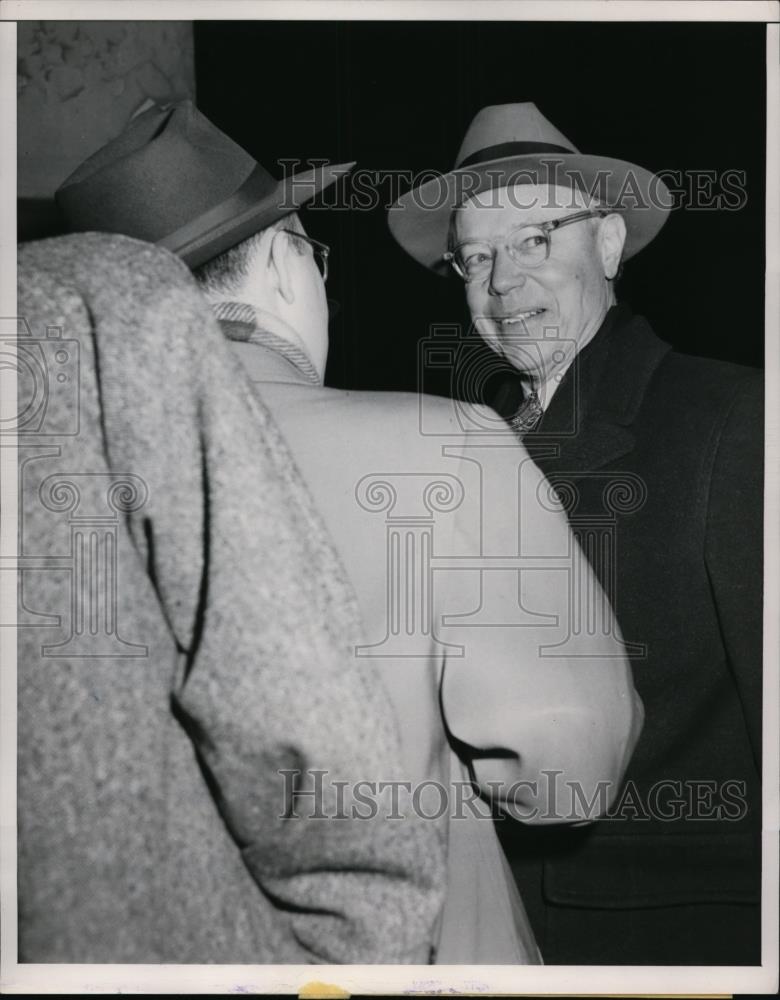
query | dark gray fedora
(173,178)
(511,144)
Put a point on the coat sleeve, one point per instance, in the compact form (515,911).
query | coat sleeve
(734,546)
(542,706)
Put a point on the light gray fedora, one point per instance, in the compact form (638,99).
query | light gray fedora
(508,144)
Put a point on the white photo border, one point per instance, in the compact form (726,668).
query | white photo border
(18,978)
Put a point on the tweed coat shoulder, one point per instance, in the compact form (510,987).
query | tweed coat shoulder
(186,635)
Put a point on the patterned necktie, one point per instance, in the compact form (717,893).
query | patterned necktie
(528,415)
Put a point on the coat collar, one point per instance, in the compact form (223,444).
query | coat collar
(283,357)
(588,421)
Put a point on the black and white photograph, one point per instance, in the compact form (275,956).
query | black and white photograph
(390,555)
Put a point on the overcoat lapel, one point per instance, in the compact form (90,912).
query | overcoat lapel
(588,422)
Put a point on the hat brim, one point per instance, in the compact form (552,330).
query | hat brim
(420,219)
(221,228)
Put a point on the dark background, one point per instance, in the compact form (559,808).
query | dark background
(400,95)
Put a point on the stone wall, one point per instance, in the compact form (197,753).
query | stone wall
(78,84)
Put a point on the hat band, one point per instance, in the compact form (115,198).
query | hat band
(258,186)
(504,149)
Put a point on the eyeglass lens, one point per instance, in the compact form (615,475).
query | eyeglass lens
(527,247)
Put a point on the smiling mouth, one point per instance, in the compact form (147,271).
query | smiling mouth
(519,317)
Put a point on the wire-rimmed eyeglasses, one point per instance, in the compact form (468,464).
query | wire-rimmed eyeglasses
(321,250)
(527,245)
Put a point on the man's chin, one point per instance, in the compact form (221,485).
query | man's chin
(526,346)
(506,341)
(527,356)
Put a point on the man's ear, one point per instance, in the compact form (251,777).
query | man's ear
(279,265)
(611,238)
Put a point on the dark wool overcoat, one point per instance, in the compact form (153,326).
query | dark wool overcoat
(659,459)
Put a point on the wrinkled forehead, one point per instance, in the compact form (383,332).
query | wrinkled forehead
(496,210)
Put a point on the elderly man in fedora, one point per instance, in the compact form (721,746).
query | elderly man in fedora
(499,706)
(660,457)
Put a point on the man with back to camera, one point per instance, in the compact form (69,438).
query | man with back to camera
(514,708)
(661,457)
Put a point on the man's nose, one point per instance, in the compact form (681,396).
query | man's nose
(505,275)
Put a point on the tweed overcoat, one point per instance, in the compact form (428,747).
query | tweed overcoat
(186,634)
